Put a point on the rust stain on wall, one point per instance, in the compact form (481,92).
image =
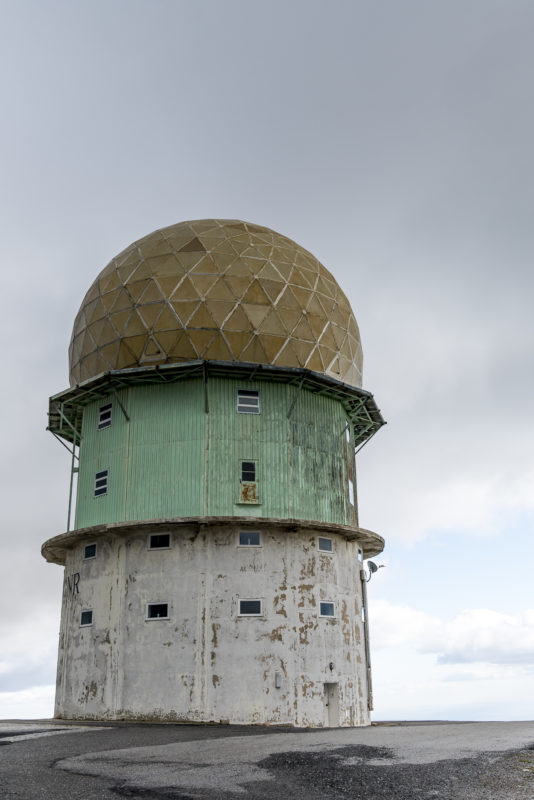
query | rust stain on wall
(214,629)
(278,602)
(357,634)
(308,569)
(304,628)
(203,629)
(283,585)
(345,625)
(249,493)
(275,635)
(89,691)
(306,595)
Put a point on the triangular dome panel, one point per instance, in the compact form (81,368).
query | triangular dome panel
(220,280)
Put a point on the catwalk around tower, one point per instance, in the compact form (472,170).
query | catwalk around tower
(215,568)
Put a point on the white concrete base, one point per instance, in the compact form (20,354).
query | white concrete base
(205,662)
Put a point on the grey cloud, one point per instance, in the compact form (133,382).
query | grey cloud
(18,678)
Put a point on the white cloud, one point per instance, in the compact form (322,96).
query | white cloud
(473,635)
(488,636)
(477,665)
(29,651)
(418,688)
(34,703)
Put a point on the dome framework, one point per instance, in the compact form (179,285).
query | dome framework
(219,290)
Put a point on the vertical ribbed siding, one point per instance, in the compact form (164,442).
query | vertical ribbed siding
(319,468)
(167,434)
(259,437)
(100,450)
(172,459)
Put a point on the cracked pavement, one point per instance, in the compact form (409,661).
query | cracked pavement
(398,761)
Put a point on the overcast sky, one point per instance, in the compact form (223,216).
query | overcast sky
(393,139)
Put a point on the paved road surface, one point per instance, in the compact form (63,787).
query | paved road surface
(410,761)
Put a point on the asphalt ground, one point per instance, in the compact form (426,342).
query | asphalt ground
(389,761)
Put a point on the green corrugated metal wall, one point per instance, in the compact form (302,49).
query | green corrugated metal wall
(173,459)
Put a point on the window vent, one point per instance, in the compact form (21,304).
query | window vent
(250,608)
(248,483)
(101,483)
(327,609)
(157,611)
(248,401)
(325,544)
(249,538)
(89,551)
(159,541)
(86,618)
(104,416)
(248,471)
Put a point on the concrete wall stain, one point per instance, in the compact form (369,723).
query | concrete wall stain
(198,578)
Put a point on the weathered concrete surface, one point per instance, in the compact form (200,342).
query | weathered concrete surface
(204,662)
(232,765)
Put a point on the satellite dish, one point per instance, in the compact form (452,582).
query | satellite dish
(372,567)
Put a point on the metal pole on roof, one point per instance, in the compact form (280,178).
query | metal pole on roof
(61,442)
(351,419)
(72,470)
(59,410)
(120,404)
(292,406)
(205,378)
(366,641)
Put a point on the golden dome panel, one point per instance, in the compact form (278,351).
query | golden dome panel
(222,290)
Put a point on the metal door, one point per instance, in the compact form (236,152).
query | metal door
(331,701)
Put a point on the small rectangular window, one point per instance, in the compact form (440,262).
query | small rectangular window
(351,492)
(250,608)
(89,551)
(159,541)
(325,544)
(104,416)
(249,538)
(101,483)
(86,618)
(157,611)
(327,610)
(248,401)
(248,471)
